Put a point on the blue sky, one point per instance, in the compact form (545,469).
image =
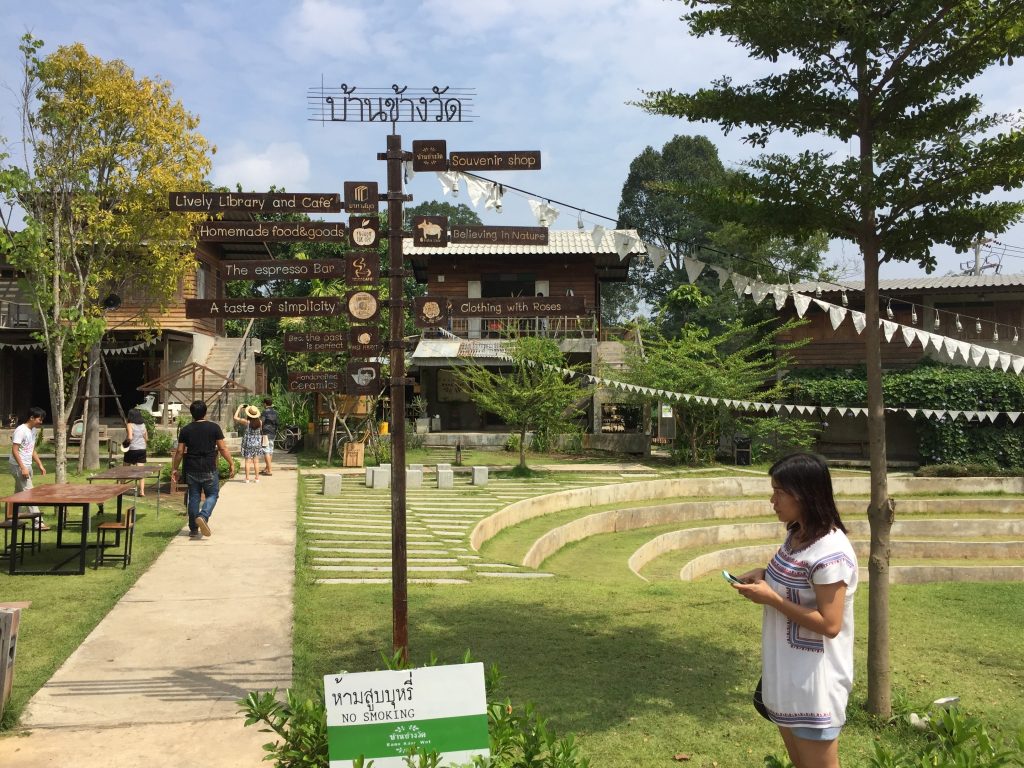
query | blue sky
(549,75)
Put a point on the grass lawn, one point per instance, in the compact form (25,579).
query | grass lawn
(66,608)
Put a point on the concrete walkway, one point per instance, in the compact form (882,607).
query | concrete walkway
(156,682)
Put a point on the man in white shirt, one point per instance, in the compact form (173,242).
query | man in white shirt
(23,453)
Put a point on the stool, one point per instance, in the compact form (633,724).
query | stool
(8,526)
(125,525)
(33,520)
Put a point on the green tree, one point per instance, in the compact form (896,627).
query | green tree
(101,150)
(531,392)
(457,214)
(892,79)
(693,361)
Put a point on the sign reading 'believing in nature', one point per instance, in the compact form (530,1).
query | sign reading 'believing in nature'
(485,235)
(382,715)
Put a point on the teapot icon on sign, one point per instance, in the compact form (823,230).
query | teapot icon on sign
(364,376)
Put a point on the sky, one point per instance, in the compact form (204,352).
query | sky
(554,76)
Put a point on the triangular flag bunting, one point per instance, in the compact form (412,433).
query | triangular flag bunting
(657,255)
(693,268)
(860,321)
(888,328)
(802,302)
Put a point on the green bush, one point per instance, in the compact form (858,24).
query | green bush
(512,443)
(954,740)
(520,738)
(160,443)
(965,470)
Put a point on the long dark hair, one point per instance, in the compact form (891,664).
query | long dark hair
(805,477)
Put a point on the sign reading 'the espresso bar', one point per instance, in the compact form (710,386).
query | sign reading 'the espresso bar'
(281,269)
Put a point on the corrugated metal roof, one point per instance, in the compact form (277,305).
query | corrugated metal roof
(559,241)
(921,283)
(433,349)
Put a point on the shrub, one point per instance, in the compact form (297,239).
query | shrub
(954,740)
(160,443)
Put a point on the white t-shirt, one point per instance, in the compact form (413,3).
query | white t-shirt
(806,677)
(138,437)
(25,439)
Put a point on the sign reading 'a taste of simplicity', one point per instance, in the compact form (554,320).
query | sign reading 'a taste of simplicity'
(383,715)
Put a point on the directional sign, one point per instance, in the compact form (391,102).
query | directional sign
(327,306)
(314,342)
(365,231)
(315,381)
(255,202)
(270,231)
(362,268)
(320,269)
(536,306)
(361,197)
(482,235)
(363,378)
(429,155)
(363,341)
(430,231)
(362,305)
(494,161)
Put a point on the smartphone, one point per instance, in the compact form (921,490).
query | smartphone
(732,579)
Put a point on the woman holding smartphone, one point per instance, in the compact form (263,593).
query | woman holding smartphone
(807,629)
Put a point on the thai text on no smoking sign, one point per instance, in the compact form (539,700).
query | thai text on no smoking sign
(382,715)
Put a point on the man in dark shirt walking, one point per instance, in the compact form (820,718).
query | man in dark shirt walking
(270,427)
(199,443)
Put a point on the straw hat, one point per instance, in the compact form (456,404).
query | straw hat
(252,411)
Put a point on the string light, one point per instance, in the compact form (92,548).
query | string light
(913,314)
(958,324)
(977,327)
(846,300)
(888,310)
(938,323)
(995,333)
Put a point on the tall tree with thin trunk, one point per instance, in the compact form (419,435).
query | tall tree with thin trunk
(100,151)
(891,78)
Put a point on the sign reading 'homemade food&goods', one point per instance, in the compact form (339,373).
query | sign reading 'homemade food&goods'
(270,231)
(255,202)
(265,307)
(306,269)
(382,715)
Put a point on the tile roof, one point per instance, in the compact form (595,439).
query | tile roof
(559,241)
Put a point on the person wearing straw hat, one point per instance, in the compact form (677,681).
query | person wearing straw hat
(252,439)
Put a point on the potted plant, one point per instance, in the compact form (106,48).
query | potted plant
(418,409)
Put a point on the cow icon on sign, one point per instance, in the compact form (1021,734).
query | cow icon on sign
(430,231)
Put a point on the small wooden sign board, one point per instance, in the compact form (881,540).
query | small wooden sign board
(363,341)
(304,306)
(361,197)
(271,231)
(362,268)
(364,231)
(429,155)
(255,202)
(430,231)
(524,160)
(315,381)
(282,269)
(431,311)
(362,378)
(362,305)
(314,342)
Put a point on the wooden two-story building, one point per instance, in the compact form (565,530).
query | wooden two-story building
(570,265)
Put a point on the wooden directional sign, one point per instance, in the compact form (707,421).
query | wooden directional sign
(483,235)
(362,305)
(430,231)
(328,306)
(314,342)
(255,202)
(365,231)
(309,269)
(534,306)
(363,378)
(362,267)
(429,155)
(431,311)
(361,197)
(527,160)
(363,341)
(315,381)
(271,231)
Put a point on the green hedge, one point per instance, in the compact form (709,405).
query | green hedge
(935,387)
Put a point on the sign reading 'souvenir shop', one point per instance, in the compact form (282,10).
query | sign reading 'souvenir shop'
(256,202)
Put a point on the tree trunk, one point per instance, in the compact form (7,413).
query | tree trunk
(522,448)
(58,412)
(90,445)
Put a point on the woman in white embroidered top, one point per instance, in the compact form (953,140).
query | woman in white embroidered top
(807,629)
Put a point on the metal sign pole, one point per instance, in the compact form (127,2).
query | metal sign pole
(399,569)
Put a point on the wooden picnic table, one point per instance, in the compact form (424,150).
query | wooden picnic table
(62,497)
(139,473)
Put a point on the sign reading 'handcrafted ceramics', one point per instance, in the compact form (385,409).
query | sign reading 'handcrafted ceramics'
(381,716)
(315,381)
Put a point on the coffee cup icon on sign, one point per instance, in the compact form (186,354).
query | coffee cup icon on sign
(364,376)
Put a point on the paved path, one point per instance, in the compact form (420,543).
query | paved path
(155,683)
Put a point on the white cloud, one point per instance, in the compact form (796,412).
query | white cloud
(279,164)
(322,27)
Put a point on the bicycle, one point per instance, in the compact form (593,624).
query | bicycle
(286,439)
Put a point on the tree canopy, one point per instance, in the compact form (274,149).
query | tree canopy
(100,151)
(892,78)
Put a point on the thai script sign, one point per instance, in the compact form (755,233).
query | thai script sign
(327,306)
(361,196)
(485,235)
(526,160)
(429,155)
(314,342)
(270,231)
(383,715)
(315,381)
(255,202)
(356,104)
(309,269)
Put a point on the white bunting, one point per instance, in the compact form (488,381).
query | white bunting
(657,255)
(949,347)
(1014,415)
(740,284)
(888,328)
(597,236)
(779,294)
(723,275)
(993,359)
(912,412)
(976,354)
(693,268)
(449,182)
(860,320)
(836,315)
(624,242)
(1018,363)
(1004,360)
(758,291)
(802,302)
(477,189)
(909,334)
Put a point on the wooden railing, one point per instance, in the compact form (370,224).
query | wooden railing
(15,315)
(576,327)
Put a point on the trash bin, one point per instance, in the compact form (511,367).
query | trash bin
(741,451)
(9,618)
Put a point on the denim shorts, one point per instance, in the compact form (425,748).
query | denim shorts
(817,734)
